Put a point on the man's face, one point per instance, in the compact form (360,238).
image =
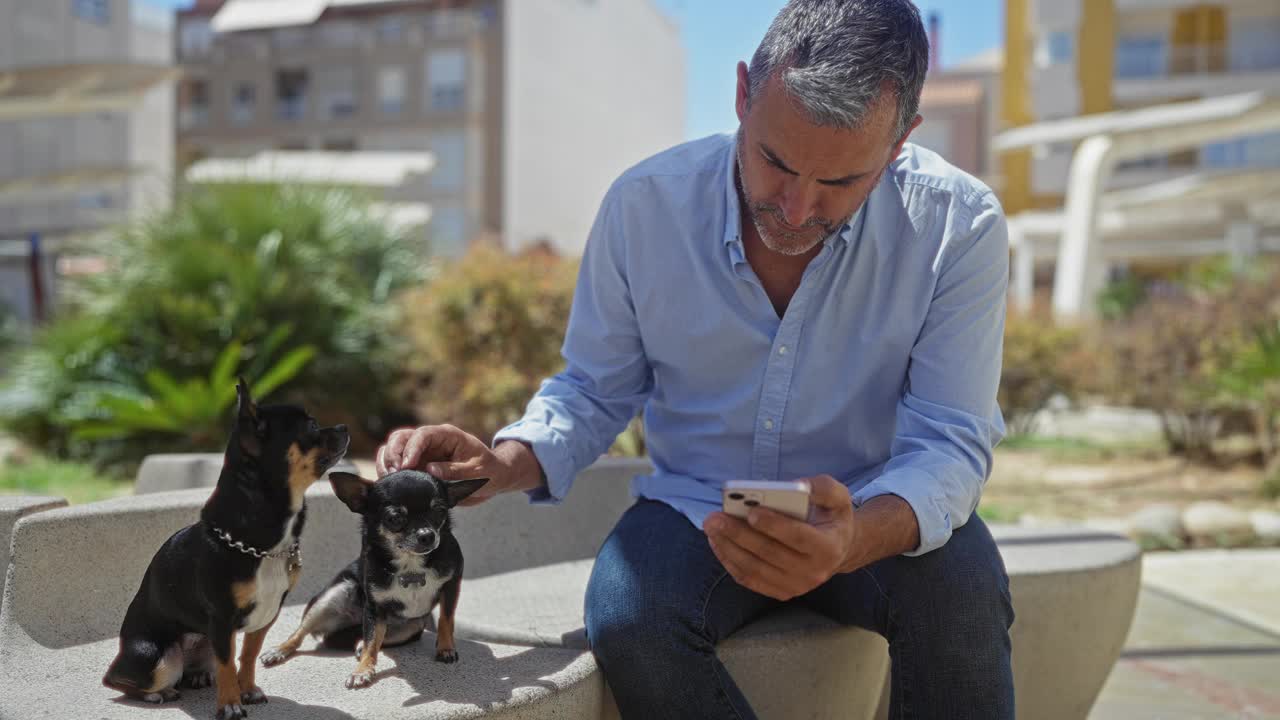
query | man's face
(801,182)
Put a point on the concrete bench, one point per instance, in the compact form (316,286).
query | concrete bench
(75,569)
(12,509)
(184,471)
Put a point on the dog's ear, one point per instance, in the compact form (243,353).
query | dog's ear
(352,490)
(249,425)
(456,492)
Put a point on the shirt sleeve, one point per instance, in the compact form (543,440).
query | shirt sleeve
(577,414)
(948,421)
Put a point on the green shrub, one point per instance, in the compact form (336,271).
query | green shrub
(1204,354)
(77,482)
(1041,359)
(228,265)
(484,335)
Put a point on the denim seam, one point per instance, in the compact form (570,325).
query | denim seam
(723,695)
(898,666)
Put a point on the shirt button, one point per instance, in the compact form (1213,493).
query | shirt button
(782,350)
(768,424)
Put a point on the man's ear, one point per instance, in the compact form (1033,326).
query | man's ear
(352,490)
(897,150)
(249,426)
(456,492)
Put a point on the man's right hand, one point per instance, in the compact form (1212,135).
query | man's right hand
(452,454)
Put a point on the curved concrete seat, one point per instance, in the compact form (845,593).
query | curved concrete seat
(164,472)
(1074,595)
(12,509)
(792,663)
(74,570)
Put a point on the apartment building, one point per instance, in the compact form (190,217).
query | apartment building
(529,108)
(1067,58)
(86,130)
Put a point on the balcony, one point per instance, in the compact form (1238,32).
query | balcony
(1153,72)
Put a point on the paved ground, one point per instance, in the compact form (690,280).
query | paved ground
(1205,643)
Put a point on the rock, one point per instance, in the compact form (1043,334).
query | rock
(1216,523)
(1266,525)
(1158,525)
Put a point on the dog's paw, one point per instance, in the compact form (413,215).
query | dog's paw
(196,680)
(255,696)
(273,657)
(231,712)
(164,696)
(360,679)
(447,655)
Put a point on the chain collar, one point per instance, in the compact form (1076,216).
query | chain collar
(293,551)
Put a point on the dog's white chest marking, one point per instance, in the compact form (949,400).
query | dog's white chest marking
(416,599)
(270,583)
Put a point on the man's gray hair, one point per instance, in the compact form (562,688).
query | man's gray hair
(837,57)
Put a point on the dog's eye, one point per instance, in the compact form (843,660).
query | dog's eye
(393,519)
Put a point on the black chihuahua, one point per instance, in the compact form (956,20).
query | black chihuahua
(409,561)
(231,571)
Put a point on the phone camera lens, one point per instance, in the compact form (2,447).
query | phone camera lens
(752,503)
(735,496)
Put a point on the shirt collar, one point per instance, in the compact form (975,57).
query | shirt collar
(733,208)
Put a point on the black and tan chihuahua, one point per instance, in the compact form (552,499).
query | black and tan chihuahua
(409,561)
(230,571)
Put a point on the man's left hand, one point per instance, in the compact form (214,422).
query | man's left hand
(781,557)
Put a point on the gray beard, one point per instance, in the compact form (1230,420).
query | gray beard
(781,242)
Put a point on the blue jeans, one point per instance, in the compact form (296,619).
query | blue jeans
(659,602)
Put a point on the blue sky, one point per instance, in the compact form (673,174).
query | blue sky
(719,33)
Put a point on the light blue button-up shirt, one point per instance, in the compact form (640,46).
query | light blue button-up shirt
(882,371)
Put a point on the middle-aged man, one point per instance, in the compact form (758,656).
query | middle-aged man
(810,298)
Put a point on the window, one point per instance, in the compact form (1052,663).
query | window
(450,151)
(195,110)
(448,231)
(291,37)
(195,38)
(392,87)
(448,21)
(338,85)
(340,144)
(291,94)
(446,80)
(1056,48)
(97,12)
(391,29)
(244,102)
(1139,56)
(339,34)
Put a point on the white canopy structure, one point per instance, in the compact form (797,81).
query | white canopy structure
(364,169)
(1230,209)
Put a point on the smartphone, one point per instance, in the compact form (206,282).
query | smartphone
(789,498)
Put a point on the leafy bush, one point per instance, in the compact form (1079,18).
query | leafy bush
(1041,359)
(25,474)
(194,412)
(228,265)
(484,335)
(1199,354)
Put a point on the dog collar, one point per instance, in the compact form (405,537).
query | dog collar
(293,551)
